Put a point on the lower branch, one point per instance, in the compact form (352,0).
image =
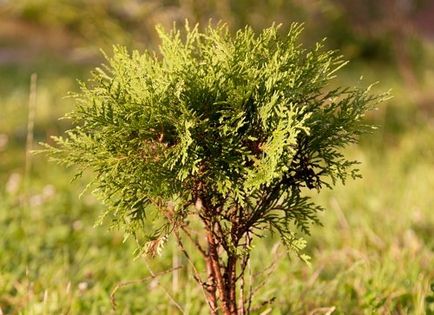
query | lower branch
(210,299)
(133,282)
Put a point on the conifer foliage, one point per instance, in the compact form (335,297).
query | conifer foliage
(226,130)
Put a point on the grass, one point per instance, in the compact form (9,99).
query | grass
(374,254)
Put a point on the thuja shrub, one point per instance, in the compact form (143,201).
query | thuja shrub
(226,130)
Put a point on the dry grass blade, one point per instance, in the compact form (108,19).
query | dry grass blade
(30,122)
(323,311)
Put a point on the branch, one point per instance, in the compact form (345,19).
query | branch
(246,258)
(196,274)
(222,237)
(194,241)
(260,209)
(207,289)
(266,272)
(244,263)
(132,282)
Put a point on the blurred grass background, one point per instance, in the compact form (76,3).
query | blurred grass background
(375,253)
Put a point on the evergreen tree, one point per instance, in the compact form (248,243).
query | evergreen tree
(229,130)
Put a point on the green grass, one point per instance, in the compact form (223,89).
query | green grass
(374,254)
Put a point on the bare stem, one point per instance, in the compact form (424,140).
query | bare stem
(196,274)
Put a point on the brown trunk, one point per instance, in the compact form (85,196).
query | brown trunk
(230,275)
(224,295)
(211,287)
